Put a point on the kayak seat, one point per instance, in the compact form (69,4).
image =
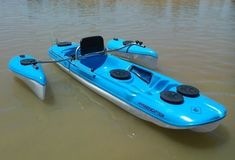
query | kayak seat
(94,62)
(89,45)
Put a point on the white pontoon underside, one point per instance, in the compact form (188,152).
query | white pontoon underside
(37,88)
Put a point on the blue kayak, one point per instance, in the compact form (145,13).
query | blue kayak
(133,51)
(25,68)
(144,93)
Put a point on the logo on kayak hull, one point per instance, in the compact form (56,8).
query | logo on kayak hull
(150,109)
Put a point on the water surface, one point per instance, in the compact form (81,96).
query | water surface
(194,38)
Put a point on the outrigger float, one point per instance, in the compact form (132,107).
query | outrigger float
(25,68)
(144,93)
(133,51)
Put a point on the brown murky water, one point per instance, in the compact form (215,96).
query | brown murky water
(194,38)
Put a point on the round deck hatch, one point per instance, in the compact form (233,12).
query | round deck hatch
(120,74)
(171,97)
(188,91)
(65,43)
